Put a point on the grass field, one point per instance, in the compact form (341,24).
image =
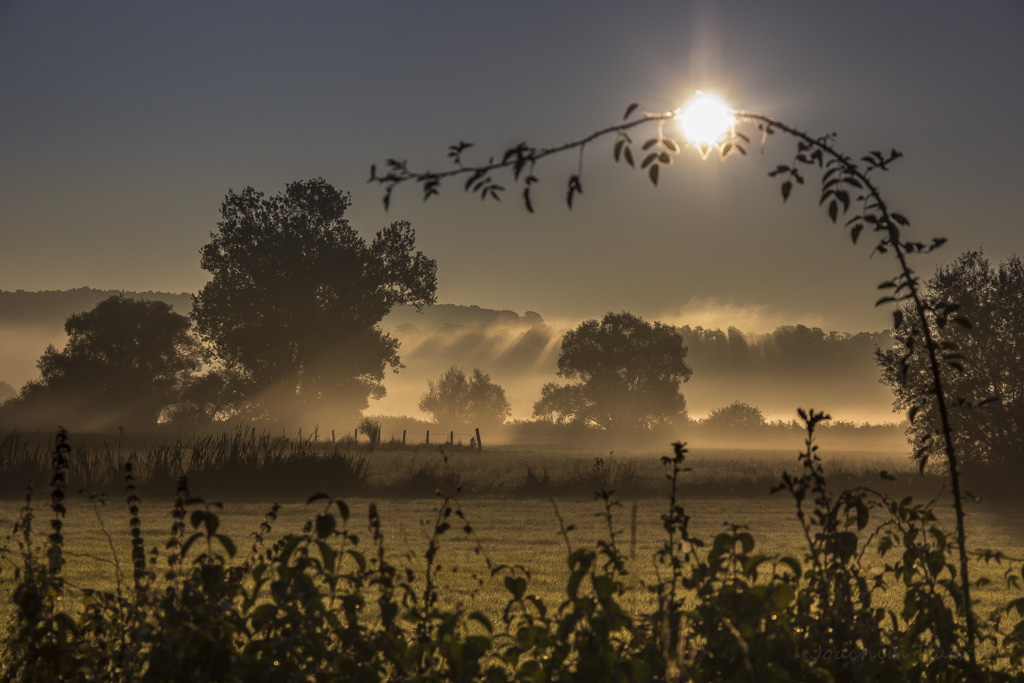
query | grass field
(518,513)
(524,529)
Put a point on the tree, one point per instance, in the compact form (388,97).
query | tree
(7,391)
(987,431)
(296,295)
(472,402)
(125,362)
(625,374)
(736,415)
(370,428)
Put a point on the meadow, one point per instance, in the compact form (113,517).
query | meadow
(511,494)
(512,531)
(478,555)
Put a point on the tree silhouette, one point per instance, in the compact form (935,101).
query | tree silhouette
(988,411)
(296,295)
(125,361)
(455,399)
(735,415)
(625,374)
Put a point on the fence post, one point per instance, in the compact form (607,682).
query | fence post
(403,437)
(451,438)
(355,434)
(479,443)
(428,437)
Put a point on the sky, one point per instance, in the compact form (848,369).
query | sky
(124,124)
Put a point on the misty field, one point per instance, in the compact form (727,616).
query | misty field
(473,551)
(725,487)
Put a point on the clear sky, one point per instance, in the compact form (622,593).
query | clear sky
(123,124)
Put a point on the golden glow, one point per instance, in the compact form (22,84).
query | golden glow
(705,121)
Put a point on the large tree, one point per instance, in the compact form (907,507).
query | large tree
(295,297)
(624,373)
(987,385)
(455,399)
(125,362)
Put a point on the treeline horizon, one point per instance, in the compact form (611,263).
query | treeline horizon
(774,371)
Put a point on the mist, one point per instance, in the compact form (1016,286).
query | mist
(778,371)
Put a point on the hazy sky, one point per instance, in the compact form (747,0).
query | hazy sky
(123,124)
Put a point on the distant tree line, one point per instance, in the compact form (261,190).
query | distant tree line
(787,350)
(21,307)
(287,330)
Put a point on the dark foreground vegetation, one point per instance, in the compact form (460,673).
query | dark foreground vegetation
(321,603)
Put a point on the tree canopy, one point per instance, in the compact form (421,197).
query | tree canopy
(987,386)
(125,361)
(295,297)
(455,399)
(736,415)
(623,372)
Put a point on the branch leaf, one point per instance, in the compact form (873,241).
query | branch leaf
(787,187)
(574,188)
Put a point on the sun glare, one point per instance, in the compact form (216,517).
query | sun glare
(706,120)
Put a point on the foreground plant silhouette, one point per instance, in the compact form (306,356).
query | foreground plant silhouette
(317,604)
(847,188)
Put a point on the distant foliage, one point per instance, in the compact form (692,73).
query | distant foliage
(455,399)
(52,307)
(624,372)
(295,298)
(987,410)
(736,415)
(126,361)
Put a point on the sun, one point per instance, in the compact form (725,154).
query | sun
(706,120)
